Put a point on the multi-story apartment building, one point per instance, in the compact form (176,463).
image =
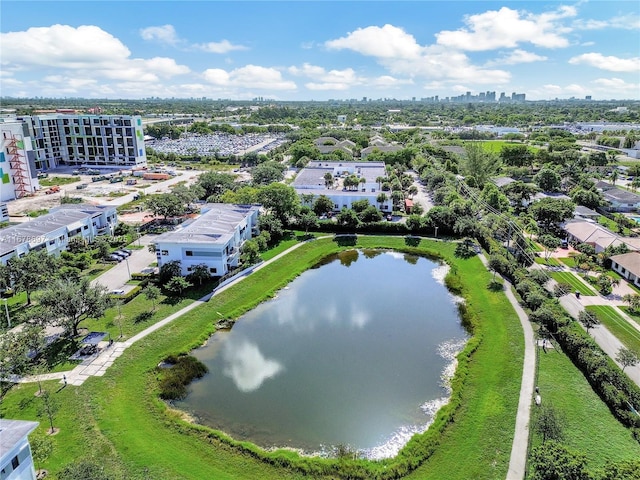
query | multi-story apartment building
(18,175)
(16,461)
(92,140)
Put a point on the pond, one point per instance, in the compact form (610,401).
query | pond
(354,352)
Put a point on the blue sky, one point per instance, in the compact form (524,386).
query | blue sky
(312,50)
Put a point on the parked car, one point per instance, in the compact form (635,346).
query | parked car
(127,250)
(122,253)
(114,258)
(118,291)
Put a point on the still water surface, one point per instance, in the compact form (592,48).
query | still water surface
(352,352)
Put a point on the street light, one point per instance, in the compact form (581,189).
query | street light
(138,233)
(128,270)
(6,307)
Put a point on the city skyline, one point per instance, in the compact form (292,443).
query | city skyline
(319,50)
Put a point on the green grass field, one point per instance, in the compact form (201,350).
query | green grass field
(552,262)
(628,334)
(568,261)
(576,283)
(118,420)
(51,181)
(589,425)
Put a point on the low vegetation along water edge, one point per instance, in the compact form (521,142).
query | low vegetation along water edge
(120,422)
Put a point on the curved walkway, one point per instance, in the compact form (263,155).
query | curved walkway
(520,446)
(98,365)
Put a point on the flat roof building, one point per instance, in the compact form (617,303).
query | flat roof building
(213,239)
(16,461)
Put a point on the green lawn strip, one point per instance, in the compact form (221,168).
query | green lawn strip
(617,325)
(633,315)
(568,261)
(552,262)
(589,426)
(489,402)
(576,284)
(132,430)
(51,181)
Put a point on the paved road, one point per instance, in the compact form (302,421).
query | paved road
(117,276)
(422,197)
(603,337)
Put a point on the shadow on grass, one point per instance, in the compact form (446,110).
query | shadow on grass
(346,240)
(412,241)
(495,286)
(143,317)
(58,352)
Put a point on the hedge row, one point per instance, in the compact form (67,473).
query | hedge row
(130,295)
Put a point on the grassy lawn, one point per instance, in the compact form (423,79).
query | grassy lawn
(589,425)
(552,262)
(613,226)
(568,261)
(617,325)
(51,181)
(117,418)
(576,283)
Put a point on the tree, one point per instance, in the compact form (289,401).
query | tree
(381,198)
(49,407)
(177,285)
(478,165)
(550,243)
(370,214)
(549,212)
(328,180)
(322,205)
(308,220)
(249,253)
(31,271)
(199,273)
(151,292)
(348,217)
(281,200)
(548,180)
(41,448)
(267,172)
(588,320)
(269,223)
(627,358)
(215,183)
(414,222)
(169,270)
(588,198)
(165,205)
(101,245)
(69,303)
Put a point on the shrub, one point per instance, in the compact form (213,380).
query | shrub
(130,295)
(174,380)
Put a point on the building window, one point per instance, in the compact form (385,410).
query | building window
(165,252)
(189,253)
(213,270)
(189,269)
(15,462)
(51,242)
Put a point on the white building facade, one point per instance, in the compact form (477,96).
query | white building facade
(16,462)
(310,182)
(92,140)
(54,230)
(213,239)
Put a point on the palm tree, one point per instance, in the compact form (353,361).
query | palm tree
(614,176)
(381,198)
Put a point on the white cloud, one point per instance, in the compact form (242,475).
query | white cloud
(611,63)
(326,80)
(224,46)
(61,46)
(249,76)
(506,28)
(381,42)
(246,366)
(515,57)
(613,87)
(85,51)
(387,81)
(630,21)
(163,34)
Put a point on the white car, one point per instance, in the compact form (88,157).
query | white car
(118,291)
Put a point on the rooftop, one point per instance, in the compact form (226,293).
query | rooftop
(12,432)
(217,224)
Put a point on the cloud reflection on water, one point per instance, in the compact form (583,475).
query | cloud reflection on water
(247,366)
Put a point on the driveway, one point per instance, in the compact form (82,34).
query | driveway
(117,277)
(422,197)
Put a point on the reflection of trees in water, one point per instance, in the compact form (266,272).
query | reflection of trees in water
(370,253)
(348,257)
(411,259)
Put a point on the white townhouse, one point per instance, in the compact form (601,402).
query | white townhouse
(16,462)
(310,181)
(54,230)
(213,239)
